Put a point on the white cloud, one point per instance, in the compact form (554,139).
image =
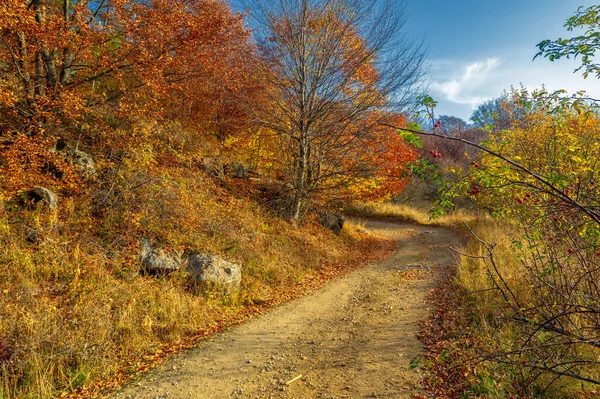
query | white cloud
(466,88)
(460,88)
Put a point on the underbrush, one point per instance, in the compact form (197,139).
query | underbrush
(78,316)
(478,347)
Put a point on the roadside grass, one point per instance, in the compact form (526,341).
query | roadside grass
(469,329)
(418,214)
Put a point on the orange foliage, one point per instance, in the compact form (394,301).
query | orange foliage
(68,70)
(384,157)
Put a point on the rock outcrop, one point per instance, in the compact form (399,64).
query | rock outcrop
(43,194)
(203,268)
(214,168)
(82,161)
(236,170)
(333,222)
(157,260)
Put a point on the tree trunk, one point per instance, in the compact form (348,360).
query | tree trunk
(67,68)
(300,183)
(40,78)
(50,62)
(68,54)
(297,208)
(24,67)
(304,146)
(40,75)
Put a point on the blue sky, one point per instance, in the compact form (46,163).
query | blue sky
(478,48)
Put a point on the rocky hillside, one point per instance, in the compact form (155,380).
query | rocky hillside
(156,248)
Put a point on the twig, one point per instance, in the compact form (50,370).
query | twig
(294,379)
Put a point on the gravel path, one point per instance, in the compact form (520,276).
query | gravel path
(354,338)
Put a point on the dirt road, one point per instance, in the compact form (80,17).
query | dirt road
(354,338)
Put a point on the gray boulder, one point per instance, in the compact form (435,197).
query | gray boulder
(203,268)
(45,195)
(82,161)
(157,260)
(213,168)
(199,268)
(32,235)
(236,170)
(333,222)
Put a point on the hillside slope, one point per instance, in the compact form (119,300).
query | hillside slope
(77,314)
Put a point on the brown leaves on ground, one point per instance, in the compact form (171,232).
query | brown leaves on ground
(446,379)
(454,352)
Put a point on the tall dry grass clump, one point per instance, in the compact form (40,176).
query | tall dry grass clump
(537,349)
(409,213)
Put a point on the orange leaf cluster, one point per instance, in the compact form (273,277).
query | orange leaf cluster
(72,69)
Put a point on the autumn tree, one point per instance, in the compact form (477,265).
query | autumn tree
(452,125)
(491,115)
(335,71)
(550,193)
(71,67)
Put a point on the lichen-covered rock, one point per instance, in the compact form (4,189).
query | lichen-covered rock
(43,194)
(213,168)
(203,268)
(82,161)
(333,222)
(157,260)
(32,235)
(236,170)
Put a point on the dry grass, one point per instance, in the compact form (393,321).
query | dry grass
(413,214)
(72,312)
(474,275)
(494,333)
